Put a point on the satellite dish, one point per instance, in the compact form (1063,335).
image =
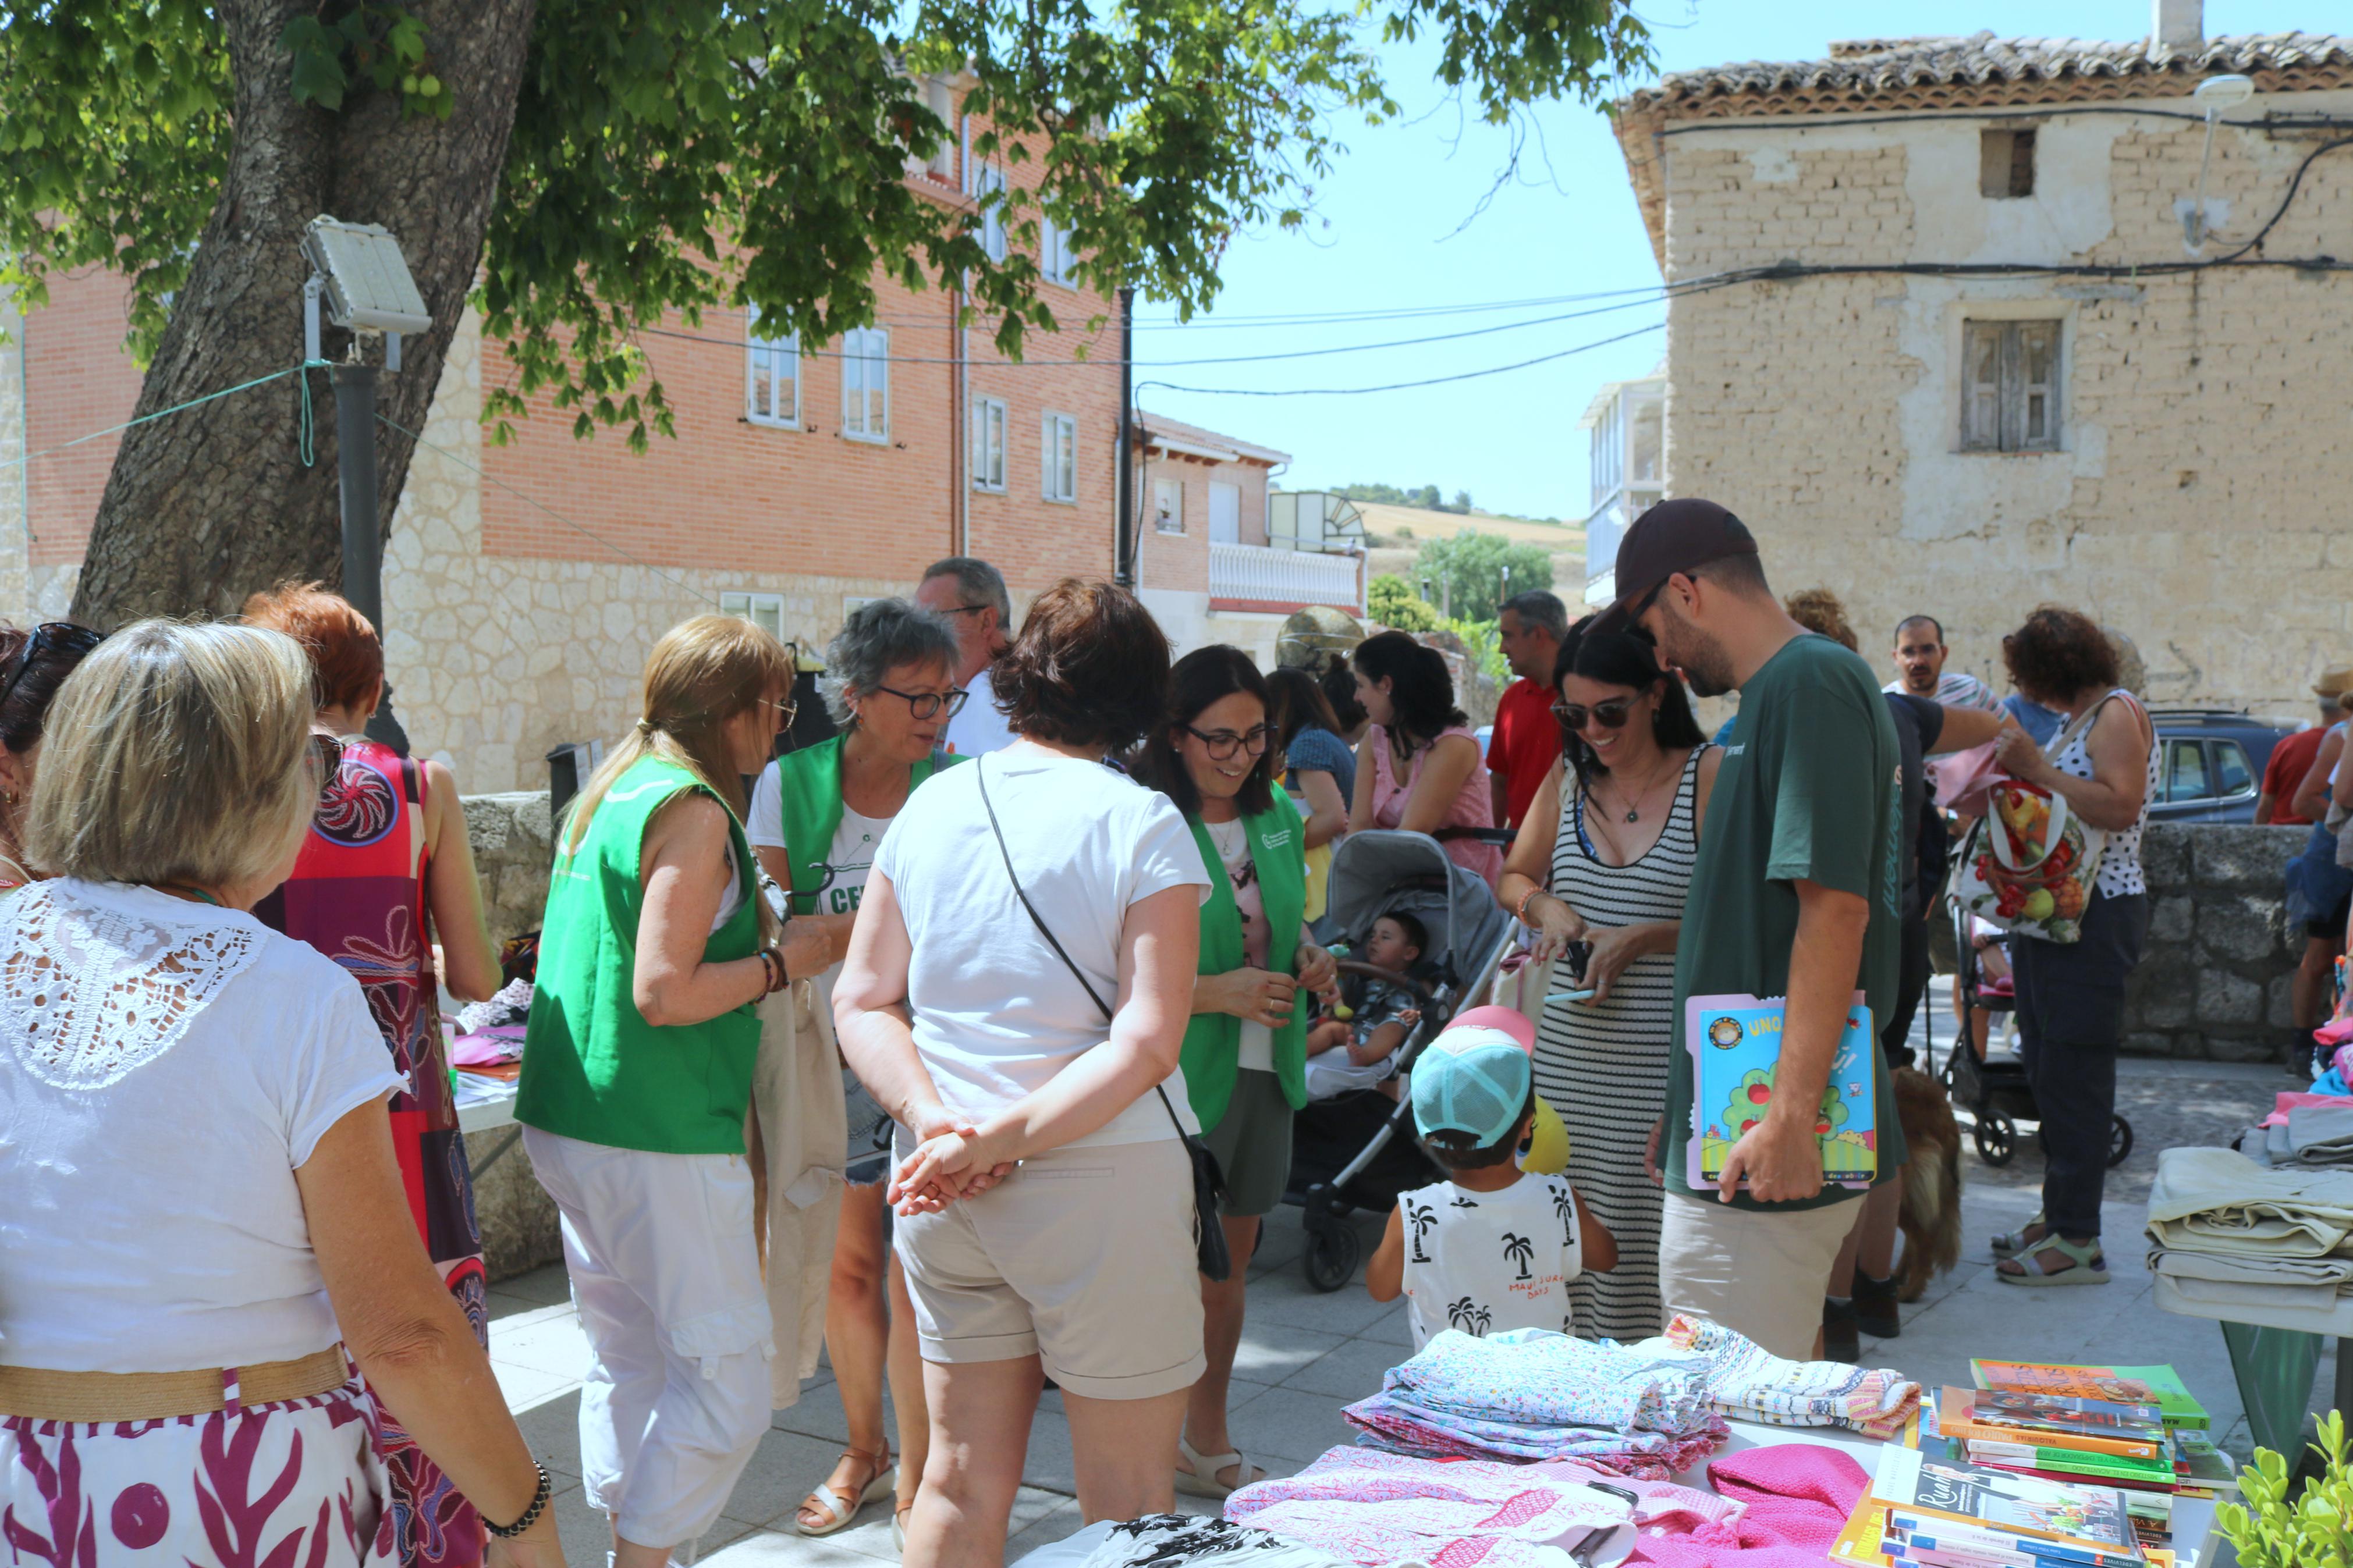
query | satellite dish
(1310,635)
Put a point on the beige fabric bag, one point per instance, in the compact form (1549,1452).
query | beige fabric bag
(801,1136)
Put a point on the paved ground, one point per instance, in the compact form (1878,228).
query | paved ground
(1304,1355)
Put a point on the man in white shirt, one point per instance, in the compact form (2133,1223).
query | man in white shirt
(971,594)
(1920,656)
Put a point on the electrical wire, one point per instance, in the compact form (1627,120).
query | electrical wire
(1401,385)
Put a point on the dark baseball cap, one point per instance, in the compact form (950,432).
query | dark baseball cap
(1674,536)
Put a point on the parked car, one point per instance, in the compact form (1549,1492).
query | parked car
(2210,764)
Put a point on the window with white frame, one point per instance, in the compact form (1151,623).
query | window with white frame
(866,383)
(1056,258)
(772,376)
(765,611)
(989,444)
(940,101)
(987,180)
(1169,505)
(1058,457)
(2010,386)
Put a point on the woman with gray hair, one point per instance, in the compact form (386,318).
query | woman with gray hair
(817,817)
(206,1228)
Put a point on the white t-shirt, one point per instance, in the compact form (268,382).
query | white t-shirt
(1232,839)
(996,1014)
(851,855)
(147,1152)
(1484,1262)
(979,728)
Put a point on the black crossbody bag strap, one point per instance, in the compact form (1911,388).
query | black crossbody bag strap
(1208,1182)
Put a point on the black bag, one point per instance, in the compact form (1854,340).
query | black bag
(1208,1183)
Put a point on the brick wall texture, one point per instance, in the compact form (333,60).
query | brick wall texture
(2207,416)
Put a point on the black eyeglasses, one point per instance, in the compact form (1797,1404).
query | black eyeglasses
(1634,616)
(58,636)
(1223,745)
(927,704)
(1610,715)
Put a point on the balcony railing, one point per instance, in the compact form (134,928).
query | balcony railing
(1255,574)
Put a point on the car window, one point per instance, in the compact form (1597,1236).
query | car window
(2233,775)
(2185,771)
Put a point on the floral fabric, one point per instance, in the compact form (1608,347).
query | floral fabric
(291,1485)
(1745,1379)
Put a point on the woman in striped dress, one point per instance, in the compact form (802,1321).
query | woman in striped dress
(1604,858)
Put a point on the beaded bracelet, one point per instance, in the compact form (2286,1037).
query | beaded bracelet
(530,1515)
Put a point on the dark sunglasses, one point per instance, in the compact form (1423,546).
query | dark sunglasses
(1223,745)
(49,636)
(1610,715)
(927,704)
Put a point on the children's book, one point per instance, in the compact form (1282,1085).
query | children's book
(2082,1524)
(1858,1543)
(2054,1421)
(2068,1465)
(2157,1386)
(1735,1047)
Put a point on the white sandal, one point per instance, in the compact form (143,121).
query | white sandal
(840,1511)
(1200,1479)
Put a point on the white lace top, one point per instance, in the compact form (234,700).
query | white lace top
(2120,872)
(165,1066)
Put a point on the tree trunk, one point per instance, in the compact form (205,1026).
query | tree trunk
(204,507)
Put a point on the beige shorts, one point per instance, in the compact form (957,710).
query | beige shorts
(1760,1271)
(1083,1258)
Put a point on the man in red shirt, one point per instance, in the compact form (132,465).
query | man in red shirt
(1526,740)
(2293,757)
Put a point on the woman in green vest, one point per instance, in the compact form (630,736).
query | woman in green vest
(817,815)
(636,1072)
(1245,1054)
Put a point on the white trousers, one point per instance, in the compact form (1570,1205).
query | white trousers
(666,1280)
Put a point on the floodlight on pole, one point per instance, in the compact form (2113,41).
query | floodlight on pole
(361,281)
(2215,94)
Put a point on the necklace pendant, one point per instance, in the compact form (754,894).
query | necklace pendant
(1632,814)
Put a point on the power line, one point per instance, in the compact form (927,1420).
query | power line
(1400,385)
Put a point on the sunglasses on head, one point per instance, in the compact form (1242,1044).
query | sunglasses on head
(58,636)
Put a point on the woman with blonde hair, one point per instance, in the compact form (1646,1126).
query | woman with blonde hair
(637,1073)
(385,877)
(205,1217)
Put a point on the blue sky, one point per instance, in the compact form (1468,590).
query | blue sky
(1385,239)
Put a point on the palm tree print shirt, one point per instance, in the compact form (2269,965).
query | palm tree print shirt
(1485,1262)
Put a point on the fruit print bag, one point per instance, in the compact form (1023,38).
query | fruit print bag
(2029,864)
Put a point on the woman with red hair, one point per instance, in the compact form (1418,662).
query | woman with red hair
(385,870)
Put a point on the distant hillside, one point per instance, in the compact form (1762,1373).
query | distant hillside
(1402,527)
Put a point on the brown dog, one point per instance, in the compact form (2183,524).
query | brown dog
(1931,1217)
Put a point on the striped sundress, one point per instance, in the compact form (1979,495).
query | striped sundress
(1603,1066)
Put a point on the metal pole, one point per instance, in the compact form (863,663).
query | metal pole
(362,540)
(1124,541)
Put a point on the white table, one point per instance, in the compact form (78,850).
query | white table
(491,1118)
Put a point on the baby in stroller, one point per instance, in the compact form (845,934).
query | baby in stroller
(1356,1048)
(1989,952)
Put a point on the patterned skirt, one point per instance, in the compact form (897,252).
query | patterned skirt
(295,1484)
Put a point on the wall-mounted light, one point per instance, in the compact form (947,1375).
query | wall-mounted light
(2215,94)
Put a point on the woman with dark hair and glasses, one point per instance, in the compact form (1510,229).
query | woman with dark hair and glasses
(32,666)
(1419,767)
(817,815)
(1245,1054)
(1604,859)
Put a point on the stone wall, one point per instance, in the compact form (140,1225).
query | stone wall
(512,852)
(2213,984)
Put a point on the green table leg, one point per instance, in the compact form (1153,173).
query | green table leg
(2274,1369)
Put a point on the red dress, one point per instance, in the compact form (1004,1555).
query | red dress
(357,895)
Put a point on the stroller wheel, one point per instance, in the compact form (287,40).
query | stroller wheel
(1333,1253)
(1997,1137)
(2120,1142)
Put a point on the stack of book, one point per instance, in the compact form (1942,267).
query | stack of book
(1939,1514)
(2136,1427)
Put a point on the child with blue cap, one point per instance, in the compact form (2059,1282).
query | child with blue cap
(1494,1247)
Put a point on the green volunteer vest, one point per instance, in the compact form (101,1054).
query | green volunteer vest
(593,1069)
(810,795)
(1211,1055)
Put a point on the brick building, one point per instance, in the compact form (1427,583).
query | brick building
(520,599)
(1981,374)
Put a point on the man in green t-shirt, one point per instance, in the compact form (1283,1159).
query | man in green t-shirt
(1797,893)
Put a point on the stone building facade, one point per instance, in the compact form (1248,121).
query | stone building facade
(1940,337)
(524,582)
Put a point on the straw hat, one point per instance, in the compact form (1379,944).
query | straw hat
(2333,681)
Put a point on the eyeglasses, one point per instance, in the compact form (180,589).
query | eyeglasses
(927,704)
(327,759)
(1224,745)
(787,709)
(49,636)
(1634,616)
(1610,715)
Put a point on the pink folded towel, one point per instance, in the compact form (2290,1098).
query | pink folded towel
(1795,1498)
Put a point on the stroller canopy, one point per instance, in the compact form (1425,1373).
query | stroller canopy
(1381,870)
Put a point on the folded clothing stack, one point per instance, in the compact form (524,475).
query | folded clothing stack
(2316,1134)
(1530,1395)
(490,1033)
(1369,1507)
(2232,1233)
(1177,1540)
(1744,1380)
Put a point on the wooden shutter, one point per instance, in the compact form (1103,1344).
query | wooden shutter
(1982,386)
